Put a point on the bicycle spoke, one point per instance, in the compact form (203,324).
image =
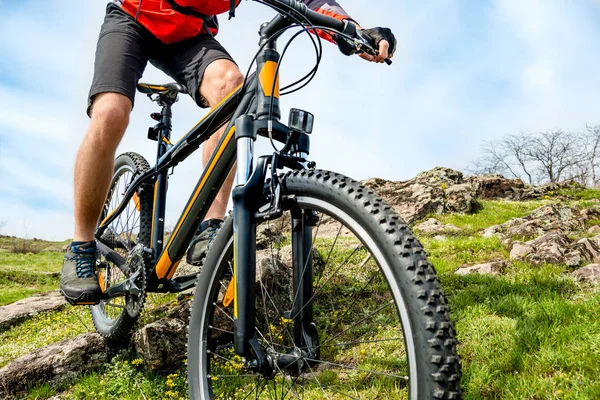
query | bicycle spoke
(358,322)
(362,342)
(405,378)
(317,290)
(223,311)
(219,329)
(317,380)
(291,335)
(350,296)
(357,296)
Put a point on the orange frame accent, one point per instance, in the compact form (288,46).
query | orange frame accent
(165,263)
(266,76)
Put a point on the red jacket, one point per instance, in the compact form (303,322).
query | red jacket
(169,26)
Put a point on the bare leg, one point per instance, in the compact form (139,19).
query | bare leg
(220,78)
(95,160)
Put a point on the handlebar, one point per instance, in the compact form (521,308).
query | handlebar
(281,21)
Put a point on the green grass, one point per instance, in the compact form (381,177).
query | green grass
(22,275)
(455,252)
(532,333)
(124,379)
(43,329)
(36,245)
(492,212)
(41,392)
(580,194)
(45,261)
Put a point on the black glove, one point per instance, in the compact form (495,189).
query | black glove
(376,35)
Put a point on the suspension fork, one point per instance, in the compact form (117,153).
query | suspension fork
(302,311)
(246,200)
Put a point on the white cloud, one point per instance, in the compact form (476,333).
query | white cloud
(464,72)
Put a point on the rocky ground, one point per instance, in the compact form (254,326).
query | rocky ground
(556,231)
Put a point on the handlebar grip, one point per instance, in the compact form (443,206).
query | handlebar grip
(314,17)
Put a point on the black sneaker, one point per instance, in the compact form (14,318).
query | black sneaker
(205,235)
(78,281)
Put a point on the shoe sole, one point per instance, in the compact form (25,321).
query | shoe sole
(84,299)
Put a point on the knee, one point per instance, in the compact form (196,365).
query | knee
(220,79)
(232,79)
(111,111)
(110,117)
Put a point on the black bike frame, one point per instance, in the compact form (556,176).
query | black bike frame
(252,109)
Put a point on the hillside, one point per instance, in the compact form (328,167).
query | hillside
(517,263)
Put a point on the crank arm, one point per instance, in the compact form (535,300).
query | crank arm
(113,257)
(124,288)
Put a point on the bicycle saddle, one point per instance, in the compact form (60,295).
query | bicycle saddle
(168,88)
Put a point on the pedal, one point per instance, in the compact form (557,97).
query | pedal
(85,299)
(181,283)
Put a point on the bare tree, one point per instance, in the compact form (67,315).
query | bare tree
(549,156)
(592,138)
(555,152)
(506,156)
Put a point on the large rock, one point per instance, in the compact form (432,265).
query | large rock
(556,248)
(589,273)
(520,250)
(460,198)
(498,187)
(446,190)
(493,186)
(19,311)
(548,218)
(550,248)
(425,194)
(55,364)
(162,344)
(589,248)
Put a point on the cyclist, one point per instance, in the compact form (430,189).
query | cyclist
(178,38)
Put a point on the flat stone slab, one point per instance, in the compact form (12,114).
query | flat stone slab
(21,310)
(56,363)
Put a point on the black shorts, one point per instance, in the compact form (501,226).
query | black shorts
(125,47)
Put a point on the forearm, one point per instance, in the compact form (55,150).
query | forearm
(330,8)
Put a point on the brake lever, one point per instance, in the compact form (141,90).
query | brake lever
(362,46)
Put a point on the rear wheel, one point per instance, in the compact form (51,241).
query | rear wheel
(127,234)
(381,323)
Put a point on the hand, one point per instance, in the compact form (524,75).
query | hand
(382,39)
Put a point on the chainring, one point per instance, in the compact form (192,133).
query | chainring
(137,264)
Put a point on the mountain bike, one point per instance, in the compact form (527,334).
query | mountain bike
(312,288)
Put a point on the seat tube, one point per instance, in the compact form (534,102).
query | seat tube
(162,182)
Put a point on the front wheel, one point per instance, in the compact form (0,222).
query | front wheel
(381,327)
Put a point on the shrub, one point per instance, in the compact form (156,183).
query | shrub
(24,246)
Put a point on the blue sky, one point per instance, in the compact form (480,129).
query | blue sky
(465,72)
